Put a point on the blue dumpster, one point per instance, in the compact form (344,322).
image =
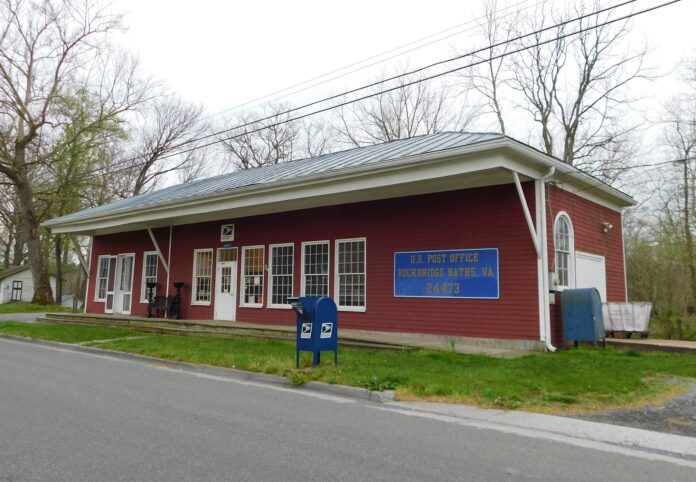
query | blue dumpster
(581,312)
(317,327)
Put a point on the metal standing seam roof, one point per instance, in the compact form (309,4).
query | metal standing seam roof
(290,170)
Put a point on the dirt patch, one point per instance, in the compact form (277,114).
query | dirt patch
(677,416)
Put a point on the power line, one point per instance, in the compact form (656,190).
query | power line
(253,101)
(408,84)
(505,54)
(654,166)
(435,64)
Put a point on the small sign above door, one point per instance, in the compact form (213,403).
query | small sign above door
(227,233)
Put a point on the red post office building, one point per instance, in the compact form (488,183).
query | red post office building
(466,235)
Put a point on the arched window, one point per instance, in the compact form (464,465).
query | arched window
(565,251)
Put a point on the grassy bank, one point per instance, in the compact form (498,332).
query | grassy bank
(571,380)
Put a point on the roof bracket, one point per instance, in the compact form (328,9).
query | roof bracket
(527,215)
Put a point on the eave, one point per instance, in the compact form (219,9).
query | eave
(483,164)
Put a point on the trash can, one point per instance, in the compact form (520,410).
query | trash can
(581,312)
(317,327)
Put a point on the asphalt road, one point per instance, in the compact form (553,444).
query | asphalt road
(74,416)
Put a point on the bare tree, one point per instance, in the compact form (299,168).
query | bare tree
(572,75)
(164,141)
(271,136)
(680,136)
(47,51)
(11,243)
(490,78)
(575,87)
(412,109)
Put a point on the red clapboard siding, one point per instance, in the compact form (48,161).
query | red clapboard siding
(474,218)
(587,218)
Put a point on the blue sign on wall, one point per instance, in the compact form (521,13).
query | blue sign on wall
(453,273)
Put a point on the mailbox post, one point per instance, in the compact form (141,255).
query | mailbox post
(317,327)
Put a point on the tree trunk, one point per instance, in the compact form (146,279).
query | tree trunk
(18,250)
(30,232)
(688,237)
(8,249)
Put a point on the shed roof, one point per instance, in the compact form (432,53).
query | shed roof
(362,158)
(12,270)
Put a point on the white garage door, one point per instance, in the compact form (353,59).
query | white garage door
(590,273)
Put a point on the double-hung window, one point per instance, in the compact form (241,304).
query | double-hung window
(149,273)
(350,274)
(280,273)
(252,276)
(202,276)
(315,268)
(102,278)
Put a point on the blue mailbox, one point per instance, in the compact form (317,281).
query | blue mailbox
(317,327)
(581,312)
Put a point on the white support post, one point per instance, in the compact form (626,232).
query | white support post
(159,253)
(169,259)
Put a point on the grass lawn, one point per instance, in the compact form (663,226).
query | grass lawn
(20,307)
(566,381)
(64,333)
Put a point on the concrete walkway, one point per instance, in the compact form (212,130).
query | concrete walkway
(26,317)
(672,346)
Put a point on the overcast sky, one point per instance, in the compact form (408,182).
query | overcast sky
(222,53)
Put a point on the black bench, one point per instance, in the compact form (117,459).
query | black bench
(161,305)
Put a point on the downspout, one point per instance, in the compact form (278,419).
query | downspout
(623,257)
(543,272)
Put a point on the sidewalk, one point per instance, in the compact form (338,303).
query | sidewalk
(670,346)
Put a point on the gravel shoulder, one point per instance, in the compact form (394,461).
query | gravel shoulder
(678,416)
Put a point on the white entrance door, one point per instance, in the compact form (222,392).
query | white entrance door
(590,272)
(226,284)
(123,293)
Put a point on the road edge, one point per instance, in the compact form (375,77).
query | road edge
(345,391)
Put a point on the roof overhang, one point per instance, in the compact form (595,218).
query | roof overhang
(483,164)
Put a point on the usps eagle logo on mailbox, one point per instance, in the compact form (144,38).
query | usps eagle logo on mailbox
(326,330)
(306,330)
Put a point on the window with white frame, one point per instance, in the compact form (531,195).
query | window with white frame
(202,276)
(564,251)
(102,278)
(252,276)
(315,268)
(350,274)
(280,273)
(150,259)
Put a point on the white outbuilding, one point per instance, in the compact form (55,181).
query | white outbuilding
(16,284)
